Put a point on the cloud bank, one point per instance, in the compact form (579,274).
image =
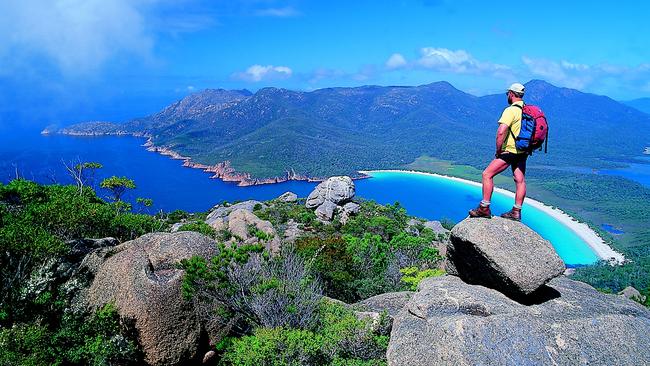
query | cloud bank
(256,73)
(76,35)
(446,60)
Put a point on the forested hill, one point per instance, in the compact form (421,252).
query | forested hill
(341,130)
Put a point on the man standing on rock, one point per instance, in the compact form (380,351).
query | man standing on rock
(506,156)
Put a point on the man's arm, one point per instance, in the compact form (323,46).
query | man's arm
(502,134)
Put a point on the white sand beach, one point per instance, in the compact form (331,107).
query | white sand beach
(589,236)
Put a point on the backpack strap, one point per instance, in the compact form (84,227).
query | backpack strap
(522,117)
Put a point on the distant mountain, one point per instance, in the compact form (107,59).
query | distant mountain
(642,104)
(342,130)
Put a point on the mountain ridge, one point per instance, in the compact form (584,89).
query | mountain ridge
(342,130)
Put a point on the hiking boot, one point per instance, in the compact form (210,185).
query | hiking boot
(514,214)
(481,211)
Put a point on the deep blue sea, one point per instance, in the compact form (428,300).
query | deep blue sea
(172,186)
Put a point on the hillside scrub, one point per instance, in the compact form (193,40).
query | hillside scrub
(39,226)
(365,256)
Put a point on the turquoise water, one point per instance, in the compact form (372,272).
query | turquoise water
(436,197)
(172,186)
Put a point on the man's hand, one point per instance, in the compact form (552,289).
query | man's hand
(502,133)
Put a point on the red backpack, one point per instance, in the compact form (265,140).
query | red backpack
(534,129)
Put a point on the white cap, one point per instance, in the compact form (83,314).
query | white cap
(517,88)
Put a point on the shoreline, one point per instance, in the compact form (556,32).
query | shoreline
(225,171)
(222,170)
(593,240)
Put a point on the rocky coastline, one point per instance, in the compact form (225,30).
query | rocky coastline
(222,170)
(225,171)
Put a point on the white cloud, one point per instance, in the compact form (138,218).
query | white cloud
(450,61)
(285,12)
(458,61)
(257,73)
(396,61)
(563,73)
(630,79)
(77,35)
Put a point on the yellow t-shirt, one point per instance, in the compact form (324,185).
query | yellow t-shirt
(511,117)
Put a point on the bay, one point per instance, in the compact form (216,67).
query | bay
(171,186)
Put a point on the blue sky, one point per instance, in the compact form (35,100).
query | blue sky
(110,59)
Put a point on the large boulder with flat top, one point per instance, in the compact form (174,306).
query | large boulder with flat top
(143,280)
(449,322)
(502,254)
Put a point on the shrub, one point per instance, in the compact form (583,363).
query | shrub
(339,338)
(95,339)
(329,258)
(363,258)
(412,276)
(199,227)
(128,226)
(247,282)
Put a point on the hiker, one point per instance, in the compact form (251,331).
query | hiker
(507,155)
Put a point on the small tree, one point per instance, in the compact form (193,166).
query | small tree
(83,173)
(144,203)
(117,186)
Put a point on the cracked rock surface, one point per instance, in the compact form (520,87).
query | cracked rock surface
(449,322)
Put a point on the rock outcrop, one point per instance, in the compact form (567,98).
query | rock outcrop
(288,197)
(292,231)
(337,190)
(449,322)
(435,226)
(333,196)
(632,294)
(391,303)
(502,254)
(245,226)
(74,271)
(218,215)
(144,282)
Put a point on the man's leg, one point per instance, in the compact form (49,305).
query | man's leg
(519,175)
(494,168)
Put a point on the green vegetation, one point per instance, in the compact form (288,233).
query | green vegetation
(199,227)
(376,251)
(372,127)
(338,338)
(363,257)
(117,186)
(38,228)
(75,339)
(413,276)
